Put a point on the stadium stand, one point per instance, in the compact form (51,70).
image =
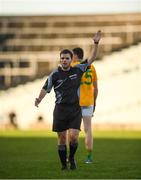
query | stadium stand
(30,45)
(118,103)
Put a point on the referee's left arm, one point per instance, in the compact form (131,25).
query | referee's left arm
(96,40)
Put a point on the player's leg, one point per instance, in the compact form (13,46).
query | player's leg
(88,137)
(73,144)
(62,148)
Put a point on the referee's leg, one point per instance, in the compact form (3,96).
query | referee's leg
(62,148)
(73,144)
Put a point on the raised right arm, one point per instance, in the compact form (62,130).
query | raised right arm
(96,40)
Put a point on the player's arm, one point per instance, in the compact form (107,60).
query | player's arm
(46,89)
(95,84)
(96,40)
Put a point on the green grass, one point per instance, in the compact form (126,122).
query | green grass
(28,154)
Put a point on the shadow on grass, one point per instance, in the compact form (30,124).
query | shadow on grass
(37,158)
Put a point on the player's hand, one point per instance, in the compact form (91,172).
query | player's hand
(37,101)
(97,37)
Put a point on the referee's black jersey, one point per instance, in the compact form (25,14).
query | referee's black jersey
(65,84)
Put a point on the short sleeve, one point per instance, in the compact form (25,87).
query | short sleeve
(82,67)
(48,84)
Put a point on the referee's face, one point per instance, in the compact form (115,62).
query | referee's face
(65,60)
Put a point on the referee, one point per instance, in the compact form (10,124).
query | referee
(67,112)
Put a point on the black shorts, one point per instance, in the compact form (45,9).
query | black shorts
(66,117)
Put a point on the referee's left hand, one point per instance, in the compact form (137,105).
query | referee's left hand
(37,101)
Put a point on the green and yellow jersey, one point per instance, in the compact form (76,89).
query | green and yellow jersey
(87,86)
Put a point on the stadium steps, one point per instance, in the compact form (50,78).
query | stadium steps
(34,40)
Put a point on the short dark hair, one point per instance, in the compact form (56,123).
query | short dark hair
(79,52)
(66,51)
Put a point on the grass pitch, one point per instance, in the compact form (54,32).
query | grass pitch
(30,154)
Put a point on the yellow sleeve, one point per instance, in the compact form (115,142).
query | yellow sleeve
(94,73)
(74,63)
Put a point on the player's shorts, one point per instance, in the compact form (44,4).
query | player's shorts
(87,110)
(66,117)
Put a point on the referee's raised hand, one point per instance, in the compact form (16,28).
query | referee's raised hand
(37,101)
(97,37)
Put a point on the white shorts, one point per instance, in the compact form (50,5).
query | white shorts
(87,110)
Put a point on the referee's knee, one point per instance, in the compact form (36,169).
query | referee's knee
(62,138)
(73,138)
